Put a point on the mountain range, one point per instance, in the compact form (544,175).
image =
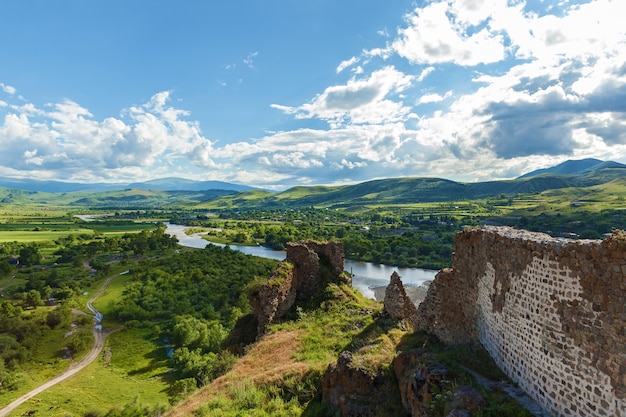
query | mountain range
(162,184)
(170,192)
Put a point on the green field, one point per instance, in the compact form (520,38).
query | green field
(132,367)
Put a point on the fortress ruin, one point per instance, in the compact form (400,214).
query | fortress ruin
(551,312)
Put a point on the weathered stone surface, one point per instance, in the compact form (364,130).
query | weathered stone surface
(272,300)
(308,267)
(419,379)
(354,391)
(551,312)
(397,303)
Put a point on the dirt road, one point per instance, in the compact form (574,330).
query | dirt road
(99,336)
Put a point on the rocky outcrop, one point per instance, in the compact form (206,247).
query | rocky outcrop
(354,391)
(307,269)
(551,313)
(397,303)
(426,385)
(316,263)
(272,300)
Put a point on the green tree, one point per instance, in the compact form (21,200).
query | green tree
(196,333)
(32,298)
(29,255)
(590,234)
(5,269)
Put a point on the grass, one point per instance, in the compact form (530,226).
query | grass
(136,370)
(281,374)
(23,236)
(111,294)
(46,362)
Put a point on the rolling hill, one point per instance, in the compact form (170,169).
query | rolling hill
(416,190)
(162,184)
(176,192)
(578,167)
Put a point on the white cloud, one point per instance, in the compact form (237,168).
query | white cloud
(433,98)
(346,64)
(66,138)
(425,72)
(249,60)
(8,89)
(360,101)
(431,37)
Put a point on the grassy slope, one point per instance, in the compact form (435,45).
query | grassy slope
(398,191)
(280,374)
(119,199)
(134,368)
(385,191)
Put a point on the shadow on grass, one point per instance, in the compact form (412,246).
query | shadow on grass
(157,359)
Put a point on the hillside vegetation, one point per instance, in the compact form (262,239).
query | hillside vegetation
(189,344)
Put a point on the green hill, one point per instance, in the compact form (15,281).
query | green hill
(391,191)
(399,191)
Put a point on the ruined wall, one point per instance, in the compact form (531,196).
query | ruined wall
(397,304)
(551,312)
(309,257)
(299,276)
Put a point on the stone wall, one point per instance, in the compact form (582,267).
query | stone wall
(303,274)
(310,257)
(397,303)
(551,312)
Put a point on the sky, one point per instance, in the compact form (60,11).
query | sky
(279,93)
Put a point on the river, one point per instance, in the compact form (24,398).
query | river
(365,275)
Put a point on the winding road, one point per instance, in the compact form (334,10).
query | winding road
(99,336)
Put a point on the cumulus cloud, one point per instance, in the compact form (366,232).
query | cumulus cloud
(507,89)
(8,89)
(65,137)
(364,100)
(431,37)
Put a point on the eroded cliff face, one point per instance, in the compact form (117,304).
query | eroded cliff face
(307,268)
(551,312)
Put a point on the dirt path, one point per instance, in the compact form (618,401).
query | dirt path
(99,336)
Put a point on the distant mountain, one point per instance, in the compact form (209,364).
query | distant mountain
(181,184)
(163,184)
(570,174)
(178,192)
(575,167)
(54,186)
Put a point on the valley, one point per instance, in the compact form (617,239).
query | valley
(185,310)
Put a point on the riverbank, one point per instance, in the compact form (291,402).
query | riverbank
(367,277)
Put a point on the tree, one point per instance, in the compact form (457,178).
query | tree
(196,333)
(5,269)
(7,309)
(58,316)
(32,298)
(590,234)
(29,255)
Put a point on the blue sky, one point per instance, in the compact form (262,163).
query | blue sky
(279,93)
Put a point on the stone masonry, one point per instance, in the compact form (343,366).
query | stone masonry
(298,277)
(551,312)
(397,304)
